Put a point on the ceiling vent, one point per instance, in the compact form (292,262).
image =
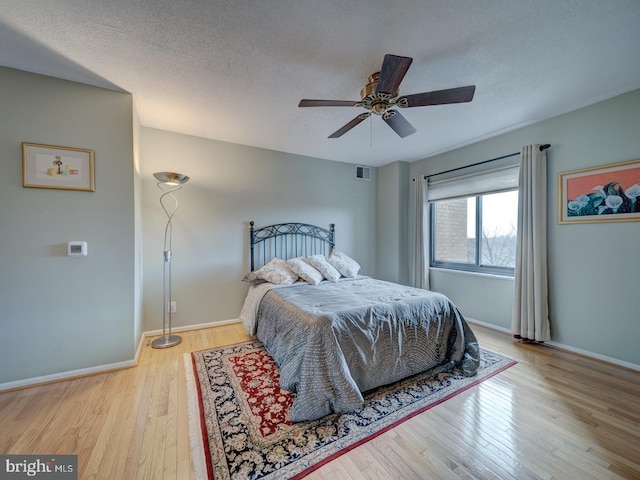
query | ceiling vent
(363,173)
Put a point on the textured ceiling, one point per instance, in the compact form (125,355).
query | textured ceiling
(236,70)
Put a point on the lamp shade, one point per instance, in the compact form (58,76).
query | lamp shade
(171,178)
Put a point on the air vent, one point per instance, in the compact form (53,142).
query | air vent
(363,173)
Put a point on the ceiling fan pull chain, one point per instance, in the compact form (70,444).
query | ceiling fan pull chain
(371,132)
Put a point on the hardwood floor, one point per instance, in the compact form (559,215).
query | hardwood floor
(553,415)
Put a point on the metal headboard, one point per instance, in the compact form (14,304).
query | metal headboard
(288,240)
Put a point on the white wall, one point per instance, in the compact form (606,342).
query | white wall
(231,185)
(593,268)
(59,313)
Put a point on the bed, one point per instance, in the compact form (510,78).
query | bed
(339,336)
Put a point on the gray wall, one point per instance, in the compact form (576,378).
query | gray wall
(137,200)
(231,185)
(60,313)
(393,228)
(593,268)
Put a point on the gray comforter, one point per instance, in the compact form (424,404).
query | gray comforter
(334,341)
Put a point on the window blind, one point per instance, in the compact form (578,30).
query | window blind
(495,180)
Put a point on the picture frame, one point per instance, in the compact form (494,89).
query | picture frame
(608,193)
(63,168)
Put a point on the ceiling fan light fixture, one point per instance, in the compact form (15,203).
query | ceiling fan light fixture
(377,102)
(379,107)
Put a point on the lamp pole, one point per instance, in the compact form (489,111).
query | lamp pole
(168,182)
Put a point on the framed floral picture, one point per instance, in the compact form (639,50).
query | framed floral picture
(48,166)
(609,193)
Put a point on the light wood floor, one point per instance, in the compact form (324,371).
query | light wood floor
(553,415)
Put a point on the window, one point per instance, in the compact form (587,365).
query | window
(475,232)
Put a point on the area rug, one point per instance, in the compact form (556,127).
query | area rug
(239,424)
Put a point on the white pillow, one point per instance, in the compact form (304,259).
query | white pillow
(305,271)
(346,265)
(276,271)
(327,270)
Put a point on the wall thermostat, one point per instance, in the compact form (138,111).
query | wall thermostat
(77,249)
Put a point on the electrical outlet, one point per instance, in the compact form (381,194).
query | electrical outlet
(173,307)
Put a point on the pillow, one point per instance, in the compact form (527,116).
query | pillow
(346,265)
(327,270)
(276,271)
(305,271)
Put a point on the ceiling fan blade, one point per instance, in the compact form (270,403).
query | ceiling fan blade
(399,124)
(327,103)
(438,97)
(341,131)
(392,72)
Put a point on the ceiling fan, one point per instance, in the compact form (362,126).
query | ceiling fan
(380,96)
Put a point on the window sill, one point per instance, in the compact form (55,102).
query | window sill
(475,274)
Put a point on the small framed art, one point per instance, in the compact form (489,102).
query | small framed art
(609,193)
(65,168)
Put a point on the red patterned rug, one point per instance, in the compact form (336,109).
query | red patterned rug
(239,422)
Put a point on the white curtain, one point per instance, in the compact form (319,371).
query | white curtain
(420,241)
(530,308)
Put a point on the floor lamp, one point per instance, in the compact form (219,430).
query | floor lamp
(168,182)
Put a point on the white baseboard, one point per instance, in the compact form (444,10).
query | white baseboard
(56,377)
(197,326)
(597,356)
(82,372)
(561,346)
(488,325)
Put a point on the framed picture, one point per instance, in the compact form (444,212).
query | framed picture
(65,168)
(610,193)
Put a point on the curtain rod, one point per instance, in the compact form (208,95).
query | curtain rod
(542,147)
